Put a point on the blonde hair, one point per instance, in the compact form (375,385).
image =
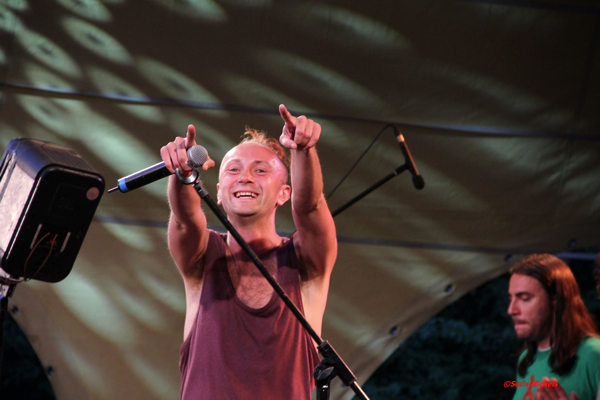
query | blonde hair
(260,137)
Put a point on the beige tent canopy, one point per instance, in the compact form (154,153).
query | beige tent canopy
(498,101)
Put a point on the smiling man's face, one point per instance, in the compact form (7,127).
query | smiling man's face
(252,181)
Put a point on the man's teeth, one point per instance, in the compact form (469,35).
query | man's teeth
(244,194)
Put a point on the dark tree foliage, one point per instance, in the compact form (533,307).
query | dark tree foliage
(467,351)
(23,377)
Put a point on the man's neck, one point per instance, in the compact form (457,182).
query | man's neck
(260,235)
(544,344)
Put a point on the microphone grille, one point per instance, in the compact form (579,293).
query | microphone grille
(418,181)
(197,155)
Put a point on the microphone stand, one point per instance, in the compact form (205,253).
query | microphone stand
(328,369)
(359,196)
(409,164)
(332,364)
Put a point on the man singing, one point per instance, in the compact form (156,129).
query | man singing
(240,340)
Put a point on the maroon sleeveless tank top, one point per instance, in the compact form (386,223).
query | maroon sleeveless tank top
(236,352)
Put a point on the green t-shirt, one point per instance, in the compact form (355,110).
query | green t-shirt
(583,378)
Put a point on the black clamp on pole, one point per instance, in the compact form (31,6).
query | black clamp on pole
(324,374)
(332,366)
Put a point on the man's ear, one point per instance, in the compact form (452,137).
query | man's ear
(284,195)
(218,195)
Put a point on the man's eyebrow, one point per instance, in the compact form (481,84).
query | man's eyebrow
(521,293)
(253,161)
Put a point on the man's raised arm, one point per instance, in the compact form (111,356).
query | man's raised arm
(188,235)
(316,236)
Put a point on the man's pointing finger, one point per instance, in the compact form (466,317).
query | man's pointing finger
(289,119)
(190,138)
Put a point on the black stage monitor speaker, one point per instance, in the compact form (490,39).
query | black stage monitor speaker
(48,197)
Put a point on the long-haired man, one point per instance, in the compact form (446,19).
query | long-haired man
(561,343)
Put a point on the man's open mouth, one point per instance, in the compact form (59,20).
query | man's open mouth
(240,195)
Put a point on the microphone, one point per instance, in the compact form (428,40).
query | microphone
(197,155)
(410,163)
